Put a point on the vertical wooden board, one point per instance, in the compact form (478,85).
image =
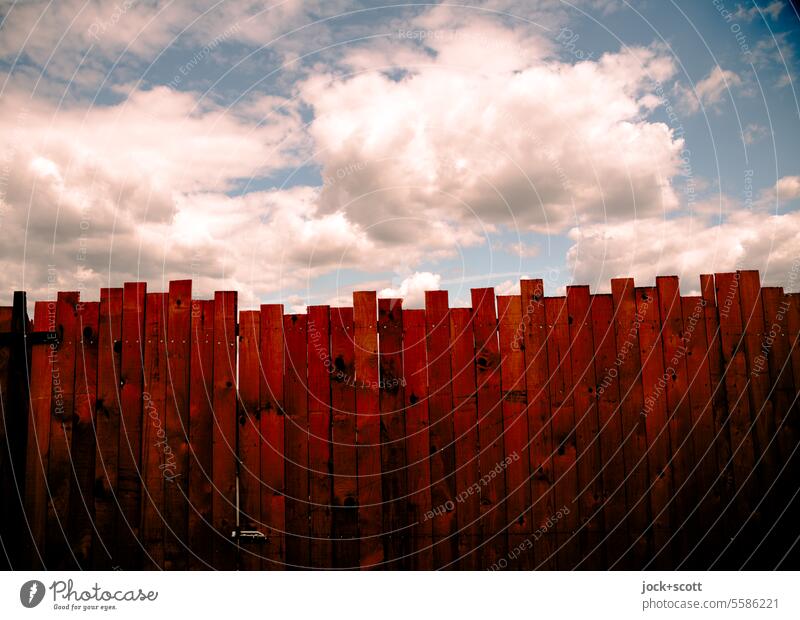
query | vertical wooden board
(725,486)
(490,428)
(296,442)
(130,437)
(775,354)
(81,510)
(465,428)
(634,432)
(319,442)
(343,435)
(758,376)
(739,420)
(793,327)
(589,464)
(201,433)
(563,427)
(610,427)
(38,448)
(707,524)
(176,451)
(776,342)
(59,474)
(393,433)
(106,427)
(793,417)
(515,431)
(656,421)
(537,379)
(417,440)
(679,412)
(14,408)
(248,445)
(7,482)
(223,502)
(793,337)
(368,431)
(440,429)
(154,438)
(273,504)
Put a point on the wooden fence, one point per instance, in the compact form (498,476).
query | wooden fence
(637,429)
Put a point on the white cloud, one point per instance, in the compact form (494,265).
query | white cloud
(686,246)
(773,10)
(412,289)
(522,250)
(509,287)
(538,147)
(709,91)
(754,132)
(788,187)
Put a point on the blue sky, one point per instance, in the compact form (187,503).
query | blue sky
(296,151)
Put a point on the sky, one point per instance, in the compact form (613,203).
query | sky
(297,151)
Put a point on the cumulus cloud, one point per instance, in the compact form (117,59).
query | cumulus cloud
(138,189)
(540,147)
(708,92)
(75,39)
(788,188)
(412,289)
(754,132)
(427,146)
(687,246)
(773,10)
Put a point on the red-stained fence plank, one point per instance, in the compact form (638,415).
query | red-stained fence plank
(775,354)
(343,435)
(176,452)
(793,417)
(81,511)
(706,526)
(201,433)
(626,325)
(793,327)
(515,432)
(249,437)
(59,474)
(417,440)
(739,420)
(589,464)
(656,421)
(106,427)
(537,377)
(440,430)
(319,442)
(223,501)
(725,486)
(465,428)
(296,441)
(393,433)
(273,504)
(679,412)
(758,376)
(368,431)
(130,438)
(563,427)
(36,464)
(490,428)
(154,440)
(610,427)
(777,349)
